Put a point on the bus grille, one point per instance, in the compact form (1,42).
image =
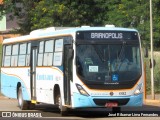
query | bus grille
(102,102)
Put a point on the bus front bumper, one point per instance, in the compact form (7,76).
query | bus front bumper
(81,101)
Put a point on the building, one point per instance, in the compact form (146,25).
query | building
(6,26)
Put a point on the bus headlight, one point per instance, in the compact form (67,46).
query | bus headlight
(139,89)
(81,90)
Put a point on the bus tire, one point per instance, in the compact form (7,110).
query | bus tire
(31,106)
(58,101)
(64,111)
(23,104)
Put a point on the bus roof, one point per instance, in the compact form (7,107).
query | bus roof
(57,31)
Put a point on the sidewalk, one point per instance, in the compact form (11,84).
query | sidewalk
(3,97)
(150,101)
(157,97)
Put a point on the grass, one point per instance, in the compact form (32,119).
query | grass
(156,73)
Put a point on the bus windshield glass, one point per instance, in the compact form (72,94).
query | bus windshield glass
(108,63)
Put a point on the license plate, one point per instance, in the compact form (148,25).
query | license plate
(111,104)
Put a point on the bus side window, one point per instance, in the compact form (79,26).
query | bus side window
(40,53)
(14,58)
(7,57)
(22,54)
(48,53)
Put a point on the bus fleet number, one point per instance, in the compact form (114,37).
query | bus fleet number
(122,93)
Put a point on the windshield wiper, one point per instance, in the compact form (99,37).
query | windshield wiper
(100,54)
(121,51)
(119,57)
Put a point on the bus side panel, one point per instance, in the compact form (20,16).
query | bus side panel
(46,79)
(9,86)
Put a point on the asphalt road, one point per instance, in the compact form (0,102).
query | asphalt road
(9,110)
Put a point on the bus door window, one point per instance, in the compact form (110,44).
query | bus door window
(28,54)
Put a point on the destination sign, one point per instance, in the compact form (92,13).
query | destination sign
(106,35)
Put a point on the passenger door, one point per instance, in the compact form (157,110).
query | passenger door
(33,64)
(68,54)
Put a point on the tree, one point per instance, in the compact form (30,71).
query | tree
(19,9)
(135,14)
(156,24)
(68,13)
(44,13)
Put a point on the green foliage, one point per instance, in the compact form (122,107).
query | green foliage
(134,14)
(67,13)
(156,73)
(19,9)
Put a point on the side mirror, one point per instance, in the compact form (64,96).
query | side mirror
(146,52)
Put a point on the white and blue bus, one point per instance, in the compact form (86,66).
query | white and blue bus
(74,68)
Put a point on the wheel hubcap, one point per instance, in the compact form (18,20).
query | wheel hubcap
(20,98)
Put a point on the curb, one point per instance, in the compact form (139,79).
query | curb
(2,97)
(153,102)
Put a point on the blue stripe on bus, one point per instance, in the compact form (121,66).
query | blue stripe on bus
(135,100)
(60,67)
(82,101)
(9,86)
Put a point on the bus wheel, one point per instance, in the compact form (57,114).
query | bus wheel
(31,106)
(58,101)
(22,103)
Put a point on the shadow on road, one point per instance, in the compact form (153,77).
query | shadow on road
(52,111)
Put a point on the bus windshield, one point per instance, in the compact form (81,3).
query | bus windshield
(108,63)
